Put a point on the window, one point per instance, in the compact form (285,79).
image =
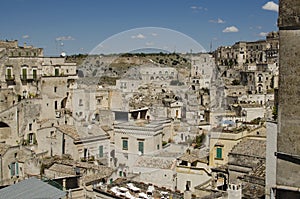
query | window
(125,144)
(177,113)
(30,138)
(219,153)
(8,73)
(34,74)
(141,147)
(30,127)
(56,72)
(14,169)
(188,185)
(55,89)
(157,147)
(55,105)
(85,153)
(99,100)
(101,151)
(24,73)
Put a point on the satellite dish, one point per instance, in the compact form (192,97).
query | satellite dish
(63,54)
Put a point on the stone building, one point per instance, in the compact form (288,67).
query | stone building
(159,171)
(91,105)
(140,137)
(192,170)
(144,74)
(246,166)
(288,147)
(262,51)
(88,143)
(222,140)
(78,178)
(257,82)
(202,68)
(15,164)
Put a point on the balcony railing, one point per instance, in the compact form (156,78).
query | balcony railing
(29,77)
(9,77)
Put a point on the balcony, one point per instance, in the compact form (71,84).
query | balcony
(9,77)
(29,77)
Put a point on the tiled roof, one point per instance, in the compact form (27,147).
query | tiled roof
(192,158)
(85,165)
(63,169)
(82,132)
(66,166)
(251,147)
(69,130)
(96,177)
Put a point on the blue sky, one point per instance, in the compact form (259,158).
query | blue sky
(79,26)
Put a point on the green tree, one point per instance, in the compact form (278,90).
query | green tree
(199,139)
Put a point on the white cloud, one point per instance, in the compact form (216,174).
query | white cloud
(263,34)
(271,6)
(149,43)
(154,34)
(231,29)
(64,38)
(198,8)
(25,36)
(138,36)
(219,20)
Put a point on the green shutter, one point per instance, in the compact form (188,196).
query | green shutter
(100,151)
(17,168)
(24,73)
(34,74)
(219,153)
(141,147)
(8,73)
(125,144)
(12,169)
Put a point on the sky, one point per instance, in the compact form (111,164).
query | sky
(77,26)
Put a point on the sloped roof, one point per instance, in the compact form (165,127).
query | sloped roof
(192,158)
(80,132)
(31,188)
(62,170)
(250,147)
(70,131)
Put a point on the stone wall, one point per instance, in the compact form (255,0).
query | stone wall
(288,167)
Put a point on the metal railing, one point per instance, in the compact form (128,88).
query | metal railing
(9,77)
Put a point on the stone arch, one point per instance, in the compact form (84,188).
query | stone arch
(3,125)
(63,103)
